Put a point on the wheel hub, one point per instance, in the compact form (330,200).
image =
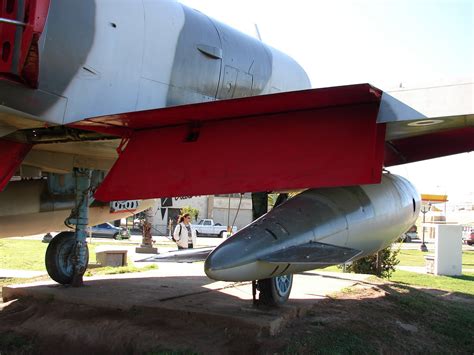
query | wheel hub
(282,284)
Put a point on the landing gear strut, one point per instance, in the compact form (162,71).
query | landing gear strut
(67,254)
(274,291)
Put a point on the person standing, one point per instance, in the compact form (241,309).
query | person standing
(184,234)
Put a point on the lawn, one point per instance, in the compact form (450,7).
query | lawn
(397,319)
(26,254)
(462,284)
(416,258)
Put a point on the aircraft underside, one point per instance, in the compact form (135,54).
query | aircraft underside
(93,92)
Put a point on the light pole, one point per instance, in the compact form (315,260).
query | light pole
(424,209)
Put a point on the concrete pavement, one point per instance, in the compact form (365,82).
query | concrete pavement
(183,291)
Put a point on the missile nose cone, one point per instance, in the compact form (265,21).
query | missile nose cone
(236,259)
(223,257)
(229,257)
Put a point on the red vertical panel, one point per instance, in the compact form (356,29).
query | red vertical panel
(379,151)
(337,146)
(35,17)
(8,10)
(11,156)
(26,47)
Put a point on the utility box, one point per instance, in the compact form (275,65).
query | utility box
(112,257)
(430,264)
(448,250)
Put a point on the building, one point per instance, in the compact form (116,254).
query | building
(232,209)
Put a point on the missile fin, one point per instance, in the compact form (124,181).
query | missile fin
(181,256)
(312,253)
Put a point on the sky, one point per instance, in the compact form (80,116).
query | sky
(387,43)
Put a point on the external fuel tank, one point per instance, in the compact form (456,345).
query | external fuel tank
(318,228)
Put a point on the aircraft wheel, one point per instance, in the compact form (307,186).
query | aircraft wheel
(58,259)
(276,290)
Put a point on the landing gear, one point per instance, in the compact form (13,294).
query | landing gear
(275,291)
(67,254)
(60,258)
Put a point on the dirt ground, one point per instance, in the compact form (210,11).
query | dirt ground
(370,318)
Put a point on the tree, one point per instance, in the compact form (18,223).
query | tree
(381,264)
(194,212)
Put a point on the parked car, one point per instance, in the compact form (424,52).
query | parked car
(470,238)
(108,230)
(409,235)
(208,227)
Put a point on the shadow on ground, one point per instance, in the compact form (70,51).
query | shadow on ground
(371,317)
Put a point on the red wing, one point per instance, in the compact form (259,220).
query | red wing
(336,136)
(428,146)
(444,124)
(321,137)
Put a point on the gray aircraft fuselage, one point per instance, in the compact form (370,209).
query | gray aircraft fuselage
(113,56)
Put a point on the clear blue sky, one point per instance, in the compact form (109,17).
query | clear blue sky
(382,42)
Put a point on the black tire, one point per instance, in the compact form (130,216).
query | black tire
(221,234)
(116,236)
(275,291)
(408,239)
(58,258)
(197,234)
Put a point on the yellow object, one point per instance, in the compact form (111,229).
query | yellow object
(430,198)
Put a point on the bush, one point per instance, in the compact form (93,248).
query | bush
(368,265)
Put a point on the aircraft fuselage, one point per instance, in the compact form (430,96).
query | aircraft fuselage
(105,57)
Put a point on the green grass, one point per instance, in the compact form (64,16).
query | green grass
(367,325)
(24,254)
(342,341)
(461,284)
(17,254)
(416,258)
(443,317)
